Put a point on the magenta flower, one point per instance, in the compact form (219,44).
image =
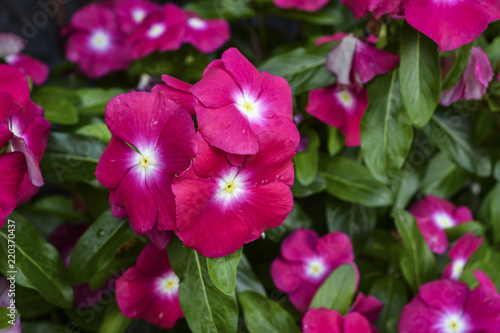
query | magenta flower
(235,103)
(206,35)
(446,306)
(10,50)
(306,5)
(12,169)
(473,83)
(433,215)
(460,21)
(162,30)
(149,290)
(306,261)
(5,302)
(369,307)
(460,254)
(234,198)
(330,321)
(177,91)
(356,62)
(153,139)
(96,43)
(341,107)
(131,13)
(361,8)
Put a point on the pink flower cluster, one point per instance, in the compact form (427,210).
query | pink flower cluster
(217,188)
(107,36)
(355,62)
(25,133)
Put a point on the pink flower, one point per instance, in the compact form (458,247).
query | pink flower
(234,199)
(96,43)
(206,35)
(12,169)
(10,50)
(356,62)
(444,306)
(330,321)
(153,139)
(131,13)
(177,91)
(378,7)
(306,5)
(149,290)
(473,83)
(369,307)
(235,103)
(460,254)
(460,21)
(341,107)
(162,30)
(433,215)
(5,290)
(306,261)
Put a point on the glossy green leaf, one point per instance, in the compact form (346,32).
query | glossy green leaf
(386,131)
(94,100)
(114,320)
(417,261)
(60,104)
(317,186)
(222,271)
(207,309)
(419,74)
(303,68)
(226,9)
(265,315)
(37,263)
(443,178)
(335,140)
(392,293)
(337,292)
(405,185)
(59,206)
(458,231)
(451,132)
(461,58)
(246,279)
(97,246)
(46,327)
(490,213)
(306,163)
(350,181)
(98,131)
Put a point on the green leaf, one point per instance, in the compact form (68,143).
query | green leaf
(337,292)
(419,74)
(31,304)
(206,308)
(443,178)
(296,219)
(306,163)
(386,131)
(37,263)
(94,100)
(60,104)
(303,68)
(265,315)
(226,9)
(58,206)
(5,319)
(496,170)
(97,246)
(71,157)
(335,140)
(392,293)
(417,261)
(355,220)
(458,231)
(45,327)
(114,320)
(301,191)
(246,279)
(461,58)
(222,271)
(98,131)
(405,185)
(330,15)
(352,182)
(490,212)
(451,132)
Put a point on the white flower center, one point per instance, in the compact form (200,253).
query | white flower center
(145,161)
(156,30)
(248,106)
(315,268)
(100,40)
(453,323)
(457,268)
(345,98)
(196,23)
(138,15)
(443,220)
(230,187)
(168,284)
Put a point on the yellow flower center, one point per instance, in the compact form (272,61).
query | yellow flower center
(248,107)
(346,98)
(144,162)
(169,284)
(230,187)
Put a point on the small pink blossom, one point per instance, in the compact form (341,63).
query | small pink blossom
(460,21)
(162,30)
(361,8)
(153,139)
(236,102)
(445,306)
(341,107)
(131,13)
(305,5)
(150,289)
(306,261)
(473,83)
(460,253)
(433,215)
(177,91)
(330,321)
(12,169)
(234,199)
(206,35)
